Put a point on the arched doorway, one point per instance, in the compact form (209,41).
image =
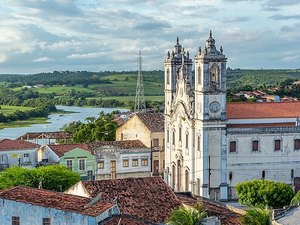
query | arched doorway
(179,174)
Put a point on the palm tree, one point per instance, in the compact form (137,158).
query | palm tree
(187,216)
(256,216)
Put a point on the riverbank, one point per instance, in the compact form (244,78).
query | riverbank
(24,123)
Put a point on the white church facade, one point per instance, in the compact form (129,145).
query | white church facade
(210,144)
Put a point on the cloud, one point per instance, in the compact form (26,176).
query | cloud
(276,3)
(236,19)
(85,55)
(283,17)
(43,59)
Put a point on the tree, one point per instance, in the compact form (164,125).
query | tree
(54,177)
(187,216)
(296,199)
(264,193)
(256,216)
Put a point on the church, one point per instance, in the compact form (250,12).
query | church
(210,144)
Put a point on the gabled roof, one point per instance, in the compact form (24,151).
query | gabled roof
(149,198)
(7,144)
(258,110)
(49,135)
(120,144)
(61,149)
(57,200)
(213,208)
(155,122)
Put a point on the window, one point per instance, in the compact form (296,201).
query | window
(199,143)
(70,164)
(144,162)
(90,175)
(135,162)
(15,220)
(156,142)
(113,172)
(297,144)
(100,165)
(125,163)
(173,138)
(168,76)
(46,221)
(277,145)
(168,138)
(255,146)
(232,146)
(187,180)
(199,75)
(81,164)
(263,174)
(26,155)
(230,176)
(179,133)
(187,140)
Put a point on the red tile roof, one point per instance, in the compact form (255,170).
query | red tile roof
(124,220)
(213,208)
(155,122)
(57,200)
(61,149)
(259,125)
(120,144)
(149,199)
(257,110)
(49,135)
(7,144)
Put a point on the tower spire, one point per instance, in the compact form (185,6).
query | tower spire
(139,97)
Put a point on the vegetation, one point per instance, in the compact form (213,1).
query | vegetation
(101,129)
(264,193)
(296,199)
(54,177)
(187,216)
(256,216)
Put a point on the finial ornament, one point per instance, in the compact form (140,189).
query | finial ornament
(199,50)
(168,54)
(205,50)
(188,54)
(221,50)
(177,40)
(210,34)
(182,55)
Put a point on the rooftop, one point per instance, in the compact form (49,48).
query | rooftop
(49,135)
(257,110)
(153,121)
(57,200)
(149,199)
(61,149)
(119,144)
(7,144)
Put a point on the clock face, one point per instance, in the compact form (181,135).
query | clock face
(214,106)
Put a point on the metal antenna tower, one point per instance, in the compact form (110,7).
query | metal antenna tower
(139,96)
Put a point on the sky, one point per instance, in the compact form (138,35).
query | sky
(106,35)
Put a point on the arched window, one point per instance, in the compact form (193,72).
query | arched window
(263,174)
(187,180)
(173,137)
(168,76)
(199,143)
(173,176)
(180,130)
(187,140)
(214,74)
(199,75)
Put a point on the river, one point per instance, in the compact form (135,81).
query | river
(56,121)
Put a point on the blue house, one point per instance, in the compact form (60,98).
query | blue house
(29,206)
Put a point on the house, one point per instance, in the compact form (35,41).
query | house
(77,157)
(148,200)
(44,138)
(17,153)
(149,129)
(28,206)
(211,145)
(121,159)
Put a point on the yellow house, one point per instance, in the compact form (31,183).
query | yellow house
(149,129)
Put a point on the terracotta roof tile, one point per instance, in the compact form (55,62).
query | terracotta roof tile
(61,149)
(50,135)
(154,121)
(213,208)
(120,144)
(149,199)
(7,144)
(57,200)
(256,110)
